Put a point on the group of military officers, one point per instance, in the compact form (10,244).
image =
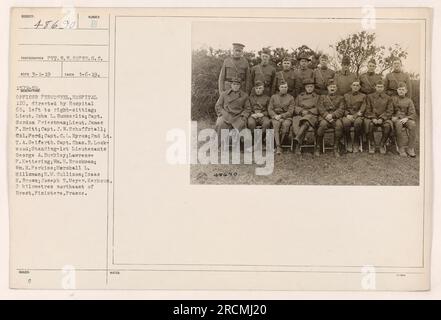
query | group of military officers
(320,99)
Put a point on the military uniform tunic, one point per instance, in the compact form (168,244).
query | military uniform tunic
(331,104)
(281,105)
(368,81)
(379,105)
(266,74)
(404,108)
(233,68)
(344,80)
(307,102)
(355,102)
(321,77)
(289,77)
(259,104)
(301,75)
(391,83)
(233,108)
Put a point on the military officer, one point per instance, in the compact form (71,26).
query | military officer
(331,110)
(379,110)
(280,109)
(265,72)
(404,117)
(259,108)
(306,113)
(313,64)
(397,75)
(232,108)
(287,75)
(355,107)
(235,66)
(344,78)
(369,78)
(322,75)
(302,73)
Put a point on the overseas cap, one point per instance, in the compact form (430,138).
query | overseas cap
(402,84)
(308,81)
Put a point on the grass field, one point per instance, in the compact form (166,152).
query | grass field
(349,169)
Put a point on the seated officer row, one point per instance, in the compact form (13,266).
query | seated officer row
(365,113)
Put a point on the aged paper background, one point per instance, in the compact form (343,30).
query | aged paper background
(254,249)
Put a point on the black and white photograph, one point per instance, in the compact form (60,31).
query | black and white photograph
(227,150)
(313,102)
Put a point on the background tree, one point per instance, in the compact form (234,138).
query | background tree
(206,65)
(359,47)
(302,50)
(278,54)
(384,57)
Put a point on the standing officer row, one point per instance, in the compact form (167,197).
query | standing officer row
(238,66)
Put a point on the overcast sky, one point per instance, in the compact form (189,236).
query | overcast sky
(314,34)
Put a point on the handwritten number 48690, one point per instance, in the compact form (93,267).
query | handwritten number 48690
(225,174)
(55,24)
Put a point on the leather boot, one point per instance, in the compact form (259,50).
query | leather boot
(402,152)
(348,142)
(337,149)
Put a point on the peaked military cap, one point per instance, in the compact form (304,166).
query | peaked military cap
(238,45)
(266,51)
